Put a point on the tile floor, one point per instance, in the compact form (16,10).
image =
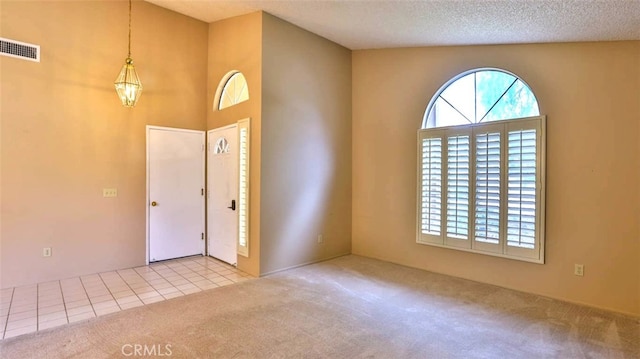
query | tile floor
(46,305)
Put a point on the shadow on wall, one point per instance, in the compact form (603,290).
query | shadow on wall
(311,171)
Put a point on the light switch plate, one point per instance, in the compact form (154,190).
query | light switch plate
(109,192)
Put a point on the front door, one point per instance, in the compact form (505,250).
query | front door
(175,206)
(222,208)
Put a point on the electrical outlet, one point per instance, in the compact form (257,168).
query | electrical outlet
(109,192)
(578,270)
(320,239)
(46,252)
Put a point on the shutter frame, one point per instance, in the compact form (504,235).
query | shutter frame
(448,239)
(429,238)
(535,255)
(538,124)
(484,246)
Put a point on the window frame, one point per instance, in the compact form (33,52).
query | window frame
(502,249)
(222,89)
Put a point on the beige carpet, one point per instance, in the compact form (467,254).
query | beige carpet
(349,307)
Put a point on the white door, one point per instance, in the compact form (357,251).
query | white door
(222,180)
(175,203)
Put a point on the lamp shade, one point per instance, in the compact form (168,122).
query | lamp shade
(128,85)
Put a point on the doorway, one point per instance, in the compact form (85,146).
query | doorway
(175,193)
(222,201)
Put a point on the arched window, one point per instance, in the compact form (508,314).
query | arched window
(481,169)
(233,89)
(480,96)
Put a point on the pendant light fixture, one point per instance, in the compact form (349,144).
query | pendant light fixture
(128,85)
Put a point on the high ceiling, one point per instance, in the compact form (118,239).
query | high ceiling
(366,24)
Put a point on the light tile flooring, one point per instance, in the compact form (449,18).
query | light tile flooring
(46,305)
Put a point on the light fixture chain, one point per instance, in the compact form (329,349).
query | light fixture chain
(129,48)
(127,84)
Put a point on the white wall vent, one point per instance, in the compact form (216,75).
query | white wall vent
(21,50)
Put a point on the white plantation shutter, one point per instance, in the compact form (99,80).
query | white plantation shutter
(458,167)
(493,173)
(487,186)
(521,203)
(430,189)
(525,192)
(243,188)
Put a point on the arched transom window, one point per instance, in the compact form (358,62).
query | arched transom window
(233,89)
(480,96)
(481,170)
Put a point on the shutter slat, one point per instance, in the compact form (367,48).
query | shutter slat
(431,186)
(458,178)
(521,197)
(487,193)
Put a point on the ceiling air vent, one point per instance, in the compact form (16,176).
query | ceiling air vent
(18,49)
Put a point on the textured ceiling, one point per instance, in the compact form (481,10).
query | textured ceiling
(366,24)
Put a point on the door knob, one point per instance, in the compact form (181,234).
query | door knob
(154,203)
(233,205)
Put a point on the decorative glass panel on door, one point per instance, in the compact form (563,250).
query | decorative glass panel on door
(222,146)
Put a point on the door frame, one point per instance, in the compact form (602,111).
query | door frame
(208,188)
(148,183)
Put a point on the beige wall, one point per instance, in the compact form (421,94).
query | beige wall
(306,147)
(65,135)
(588,91)
(236,44)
